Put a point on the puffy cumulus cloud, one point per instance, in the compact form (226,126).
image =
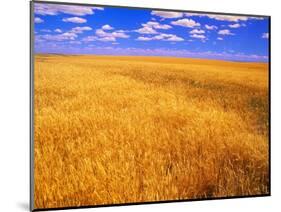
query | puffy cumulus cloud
(225,32)
(101,35)
(230,18)
(234,25)
(58,30)
(76,20)
(121,30)
(96,38)
(151,26)
(119,35)
(198,36)
(97,8)
(58,37)
(69,35)
(162,36)
(90,38)
(55,9)
(197,31)
(107,27)
(188,14)
(141,38)
(78,30)
(38,20)
(168,37)
(146,30)
(46,30)
(156,25)
(167,14)
(186,23)
(174,38)
(107,39)
(210,27)
(75,42)
(265,35)
(257,18)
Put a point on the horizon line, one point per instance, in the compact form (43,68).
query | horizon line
(164,56)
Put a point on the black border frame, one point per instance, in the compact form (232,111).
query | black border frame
(31,120)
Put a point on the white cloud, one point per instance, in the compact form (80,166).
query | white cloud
(234,25)
(38,20)
(257,18)
(141,38)
(225,32)
(101,35)
(150,26)
(119,35)
(75,42)
(146,30)
(121,30)
(175,38)
(186,23)
(166,14)
(197,31)
(107,39)
(45,30)
(69,35)
(107,27)
(230,18)
(55,9)
(58,30)
(90,38)
(162,36)
(210,27)
(96,38)
(195,14)
(78,30)
(58,37)
(219,38)
(198,36)
(168,37)
(97,8)
(75,20)
(156,25)
(265,35)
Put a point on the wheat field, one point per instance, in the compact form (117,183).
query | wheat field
(121,129)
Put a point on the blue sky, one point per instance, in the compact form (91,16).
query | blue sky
(72,29)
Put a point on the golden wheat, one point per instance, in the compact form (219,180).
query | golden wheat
(114,129)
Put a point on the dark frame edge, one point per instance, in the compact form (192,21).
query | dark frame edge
(151,202)
(269,104)
(31,118)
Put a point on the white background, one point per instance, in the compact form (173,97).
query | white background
(14,104)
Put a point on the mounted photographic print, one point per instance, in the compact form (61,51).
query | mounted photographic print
(138,105)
